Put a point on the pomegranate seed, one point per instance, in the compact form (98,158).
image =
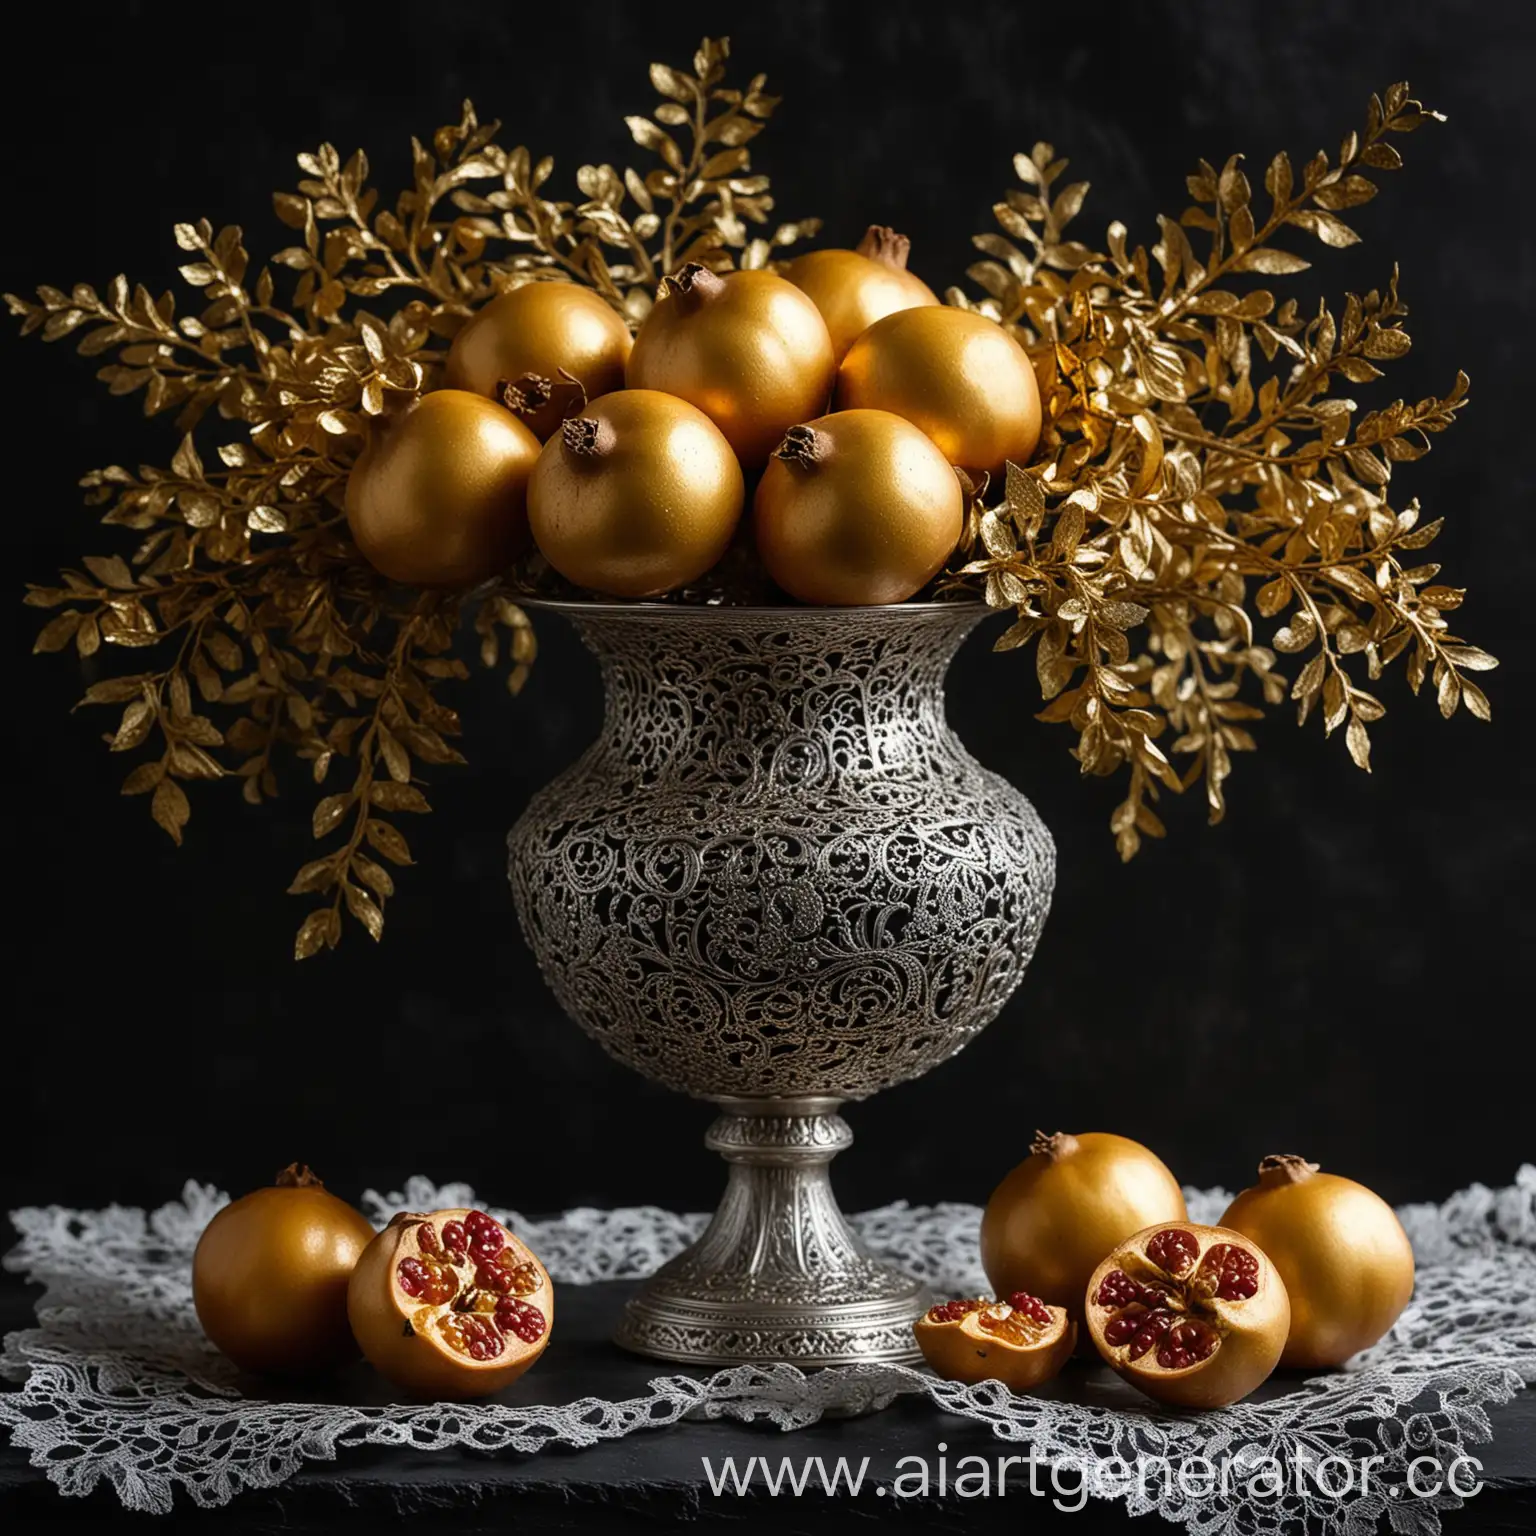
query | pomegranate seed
(1032,1307)
(1174,1251)
(1121,1330)
(495,1278)
(526,1279)
(1117,1289)
(426,1238)
(1153,1326)
(1187,1344)
(521,1318)
(1232,1272)
(426,1279)
(472,1335)
(455,1239)
(952,1311)
(486,1243)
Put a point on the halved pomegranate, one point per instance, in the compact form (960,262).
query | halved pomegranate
(1019,1342)
(1192,1315)
(450,1305)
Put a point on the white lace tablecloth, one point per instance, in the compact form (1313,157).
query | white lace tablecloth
(118,1383)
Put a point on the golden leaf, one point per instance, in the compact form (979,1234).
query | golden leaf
(170,809)
(329,812)
(1269,260)
(365,910)
(1200,462)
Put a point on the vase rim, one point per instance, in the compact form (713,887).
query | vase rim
(641,608)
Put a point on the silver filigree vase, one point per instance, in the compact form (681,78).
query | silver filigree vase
(778,881)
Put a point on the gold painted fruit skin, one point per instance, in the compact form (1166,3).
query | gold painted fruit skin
(539,329)
(966,1351)
(1249,1331)
(746,348)
(1341,1251)
(866,512)
(1050,1222)
(853,289)
(438,498)
(638,495)
(269,1278)
(958,376)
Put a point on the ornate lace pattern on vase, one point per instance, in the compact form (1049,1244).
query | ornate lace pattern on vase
(118,1383)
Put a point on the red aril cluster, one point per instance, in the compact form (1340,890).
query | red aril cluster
(450,1304)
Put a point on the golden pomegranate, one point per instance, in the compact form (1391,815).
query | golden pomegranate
(269,1277)
(1339,1247)
(438,498)
(450,1305)
(1051,1221)
(1191,1315)
(747,348)
(959,376)
(857,507)
(639,494)
(853,289)
(1020,1342)
(526,336)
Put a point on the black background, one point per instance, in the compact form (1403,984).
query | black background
(1338,970)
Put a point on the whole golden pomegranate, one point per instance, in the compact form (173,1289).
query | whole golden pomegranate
(1051,1221)
(853,289)
(269,1277)
(450,1305)
(527,336)
(747,348)
(438,498)
(1191,1315)
(1341,1250)
(857,507)
(637,495)
(959,376)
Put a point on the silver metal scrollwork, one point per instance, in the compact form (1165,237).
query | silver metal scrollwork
(778,881)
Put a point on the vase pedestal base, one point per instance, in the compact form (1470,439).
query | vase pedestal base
(777,1275)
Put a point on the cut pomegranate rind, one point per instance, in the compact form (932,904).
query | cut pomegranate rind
(1021,1320)
(1021,1341)
(1194,1316)
(952,1311)
(465,1286)
(1170,1323)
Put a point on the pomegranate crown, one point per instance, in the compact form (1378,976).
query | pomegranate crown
(883,244)
(1284,1168)
(692,285)
(1057,1144)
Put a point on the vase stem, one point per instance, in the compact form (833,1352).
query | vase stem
(778,1274)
